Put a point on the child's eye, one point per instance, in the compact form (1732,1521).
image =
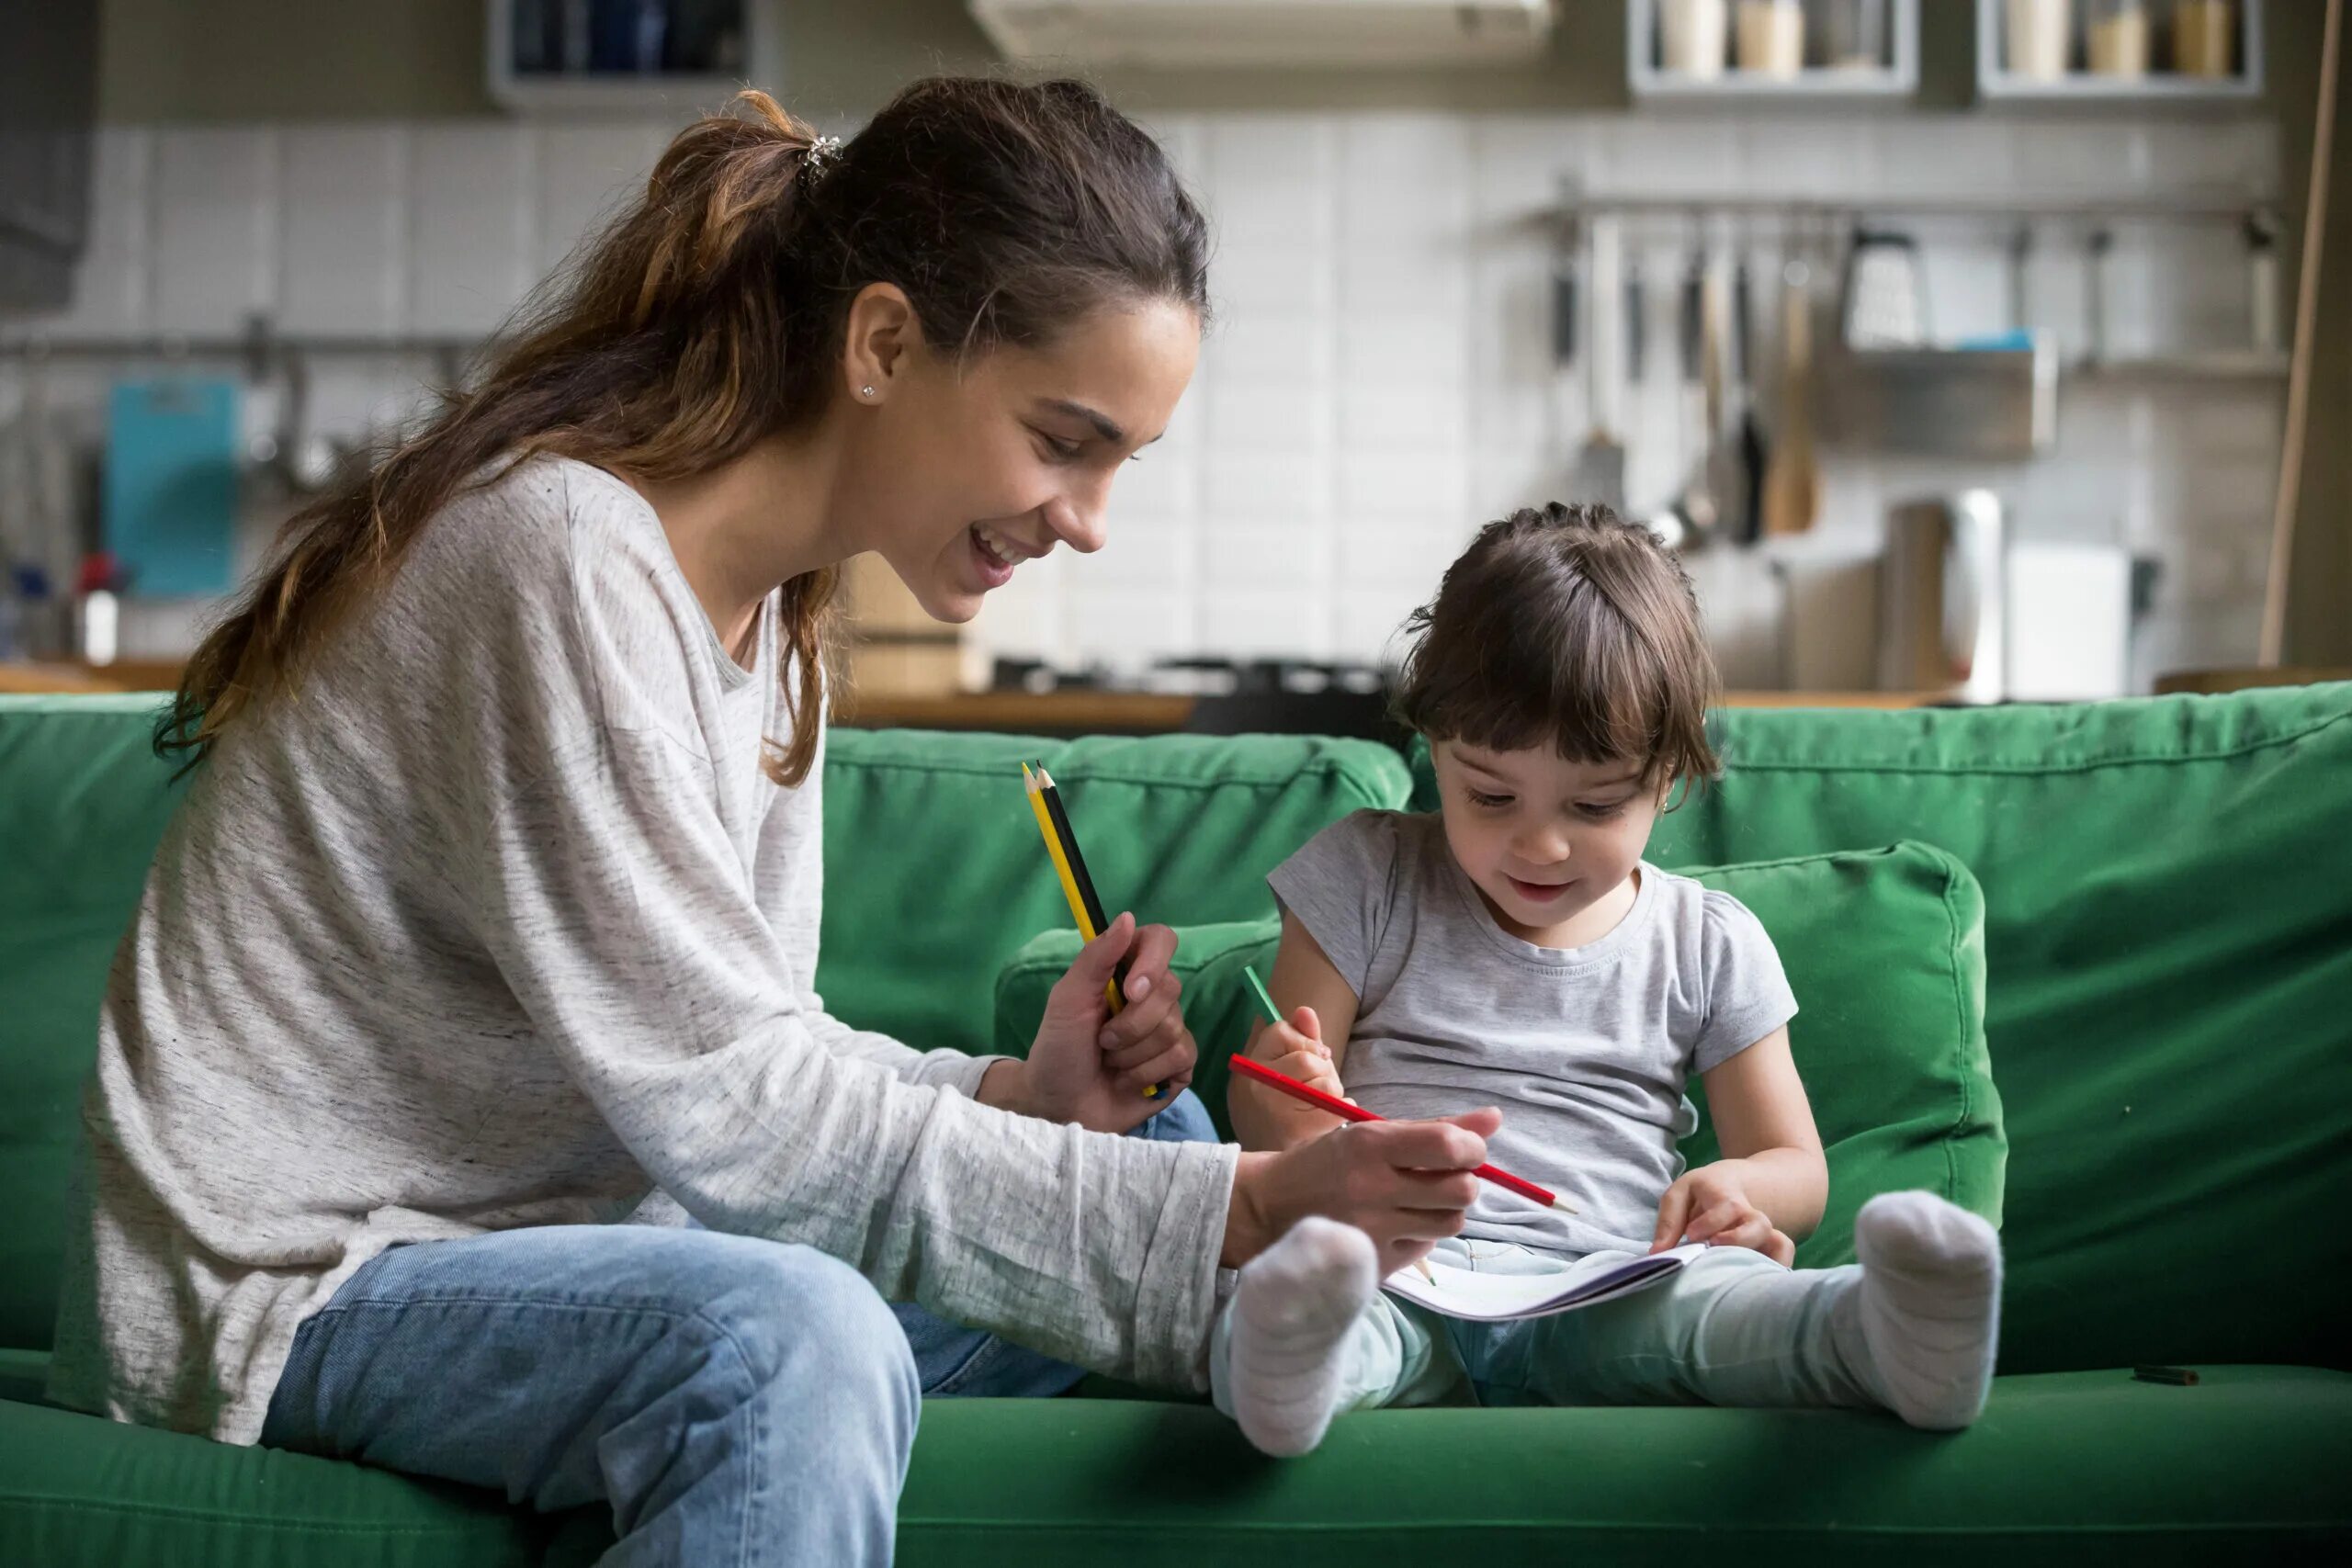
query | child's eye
(1486,802)
(1059,450)
(1592,812)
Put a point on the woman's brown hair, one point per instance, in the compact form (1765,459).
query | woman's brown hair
(1567,627)
(710,315)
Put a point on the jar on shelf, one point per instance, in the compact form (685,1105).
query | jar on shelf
(2036,38)
(2115,37)
(1693,37)
(1851,35)
(2204,38)
(1771,37)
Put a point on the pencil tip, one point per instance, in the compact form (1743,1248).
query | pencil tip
(1564,1205)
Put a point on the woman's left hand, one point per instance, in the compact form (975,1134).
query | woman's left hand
(1711,1206)
(1090,1068)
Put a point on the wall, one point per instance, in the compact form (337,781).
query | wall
(1377,380)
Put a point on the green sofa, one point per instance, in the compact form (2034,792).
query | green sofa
(2139,913)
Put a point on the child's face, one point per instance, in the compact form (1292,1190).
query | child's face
(1544,839)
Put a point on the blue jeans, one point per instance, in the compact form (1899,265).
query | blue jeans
(735,1403)
(957,1362)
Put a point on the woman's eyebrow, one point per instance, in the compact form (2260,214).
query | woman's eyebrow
(1104,426)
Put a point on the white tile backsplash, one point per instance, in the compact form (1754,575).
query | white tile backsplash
(1379,379)
(344,247)
(114,284)
(585,175)
(216,229)
(470,225)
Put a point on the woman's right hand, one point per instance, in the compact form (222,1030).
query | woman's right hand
(1407,1185)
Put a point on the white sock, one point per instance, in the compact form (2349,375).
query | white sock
(1929,1303)
(1292,1307)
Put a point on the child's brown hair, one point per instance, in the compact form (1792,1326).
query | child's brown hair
(1569,628)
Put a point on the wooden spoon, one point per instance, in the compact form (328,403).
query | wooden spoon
(1792,480)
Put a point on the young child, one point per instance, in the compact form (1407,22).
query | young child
(1514,950)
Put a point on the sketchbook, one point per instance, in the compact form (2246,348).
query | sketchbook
(1476,1297)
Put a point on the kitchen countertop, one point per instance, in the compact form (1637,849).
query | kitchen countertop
(1146,713)
(1075,712)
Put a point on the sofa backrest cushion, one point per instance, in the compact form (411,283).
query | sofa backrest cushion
(1884,949)
(2169,943)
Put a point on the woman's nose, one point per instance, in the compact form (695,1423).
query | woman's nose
(1079,518)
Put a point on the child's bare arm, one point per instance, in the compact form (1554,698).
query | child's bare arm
(1772,1178)
(1319,1010)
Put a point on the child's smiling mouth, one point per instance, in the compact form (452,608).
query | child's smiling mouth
(1537,892)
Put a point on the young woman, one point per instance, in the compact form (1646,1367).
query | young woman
(493,904)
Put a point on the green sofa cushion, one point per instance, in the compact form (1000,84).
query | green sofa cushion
(79,1492)
(1886,950)
(2168,934)
(933,866)
(82,804)
(2063,1470)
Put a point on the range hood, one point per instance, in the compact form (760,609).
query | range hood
(1288,33)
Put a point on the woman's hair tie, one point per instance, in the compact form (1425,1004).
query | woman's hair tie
(818,158)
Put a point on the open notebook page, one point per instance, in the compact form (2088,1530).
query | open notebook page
(1497,1298)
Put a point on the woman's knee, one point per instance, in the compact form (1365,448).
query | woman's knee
(797,1316)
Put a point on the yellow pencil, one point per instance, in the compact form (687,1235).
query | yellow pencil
(1037,785)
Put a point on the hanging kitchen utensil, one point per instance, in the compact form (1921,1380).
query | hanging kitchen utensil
(1567,263)
(1745,507)
(2095,250)
(1600,473)
(1721,461)
(1694,514)
(1882,305)
(1637,307)
(1792,480)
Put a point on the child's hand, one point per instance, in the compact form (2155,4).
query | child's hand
(1296,1047)
(1710,1204)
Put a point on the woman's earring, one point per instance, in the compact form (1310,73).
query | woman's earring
(866,391)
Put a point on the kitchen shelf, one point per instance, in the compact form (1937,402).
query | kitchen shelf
(575,90)
(1995,85)
(2219,365)
(1651,83)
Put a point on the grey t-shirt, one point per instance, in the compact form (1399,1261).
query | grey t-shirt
(498,921)
(1586,1050)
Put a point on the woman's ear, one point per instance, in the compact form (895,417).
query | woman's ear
(882,331)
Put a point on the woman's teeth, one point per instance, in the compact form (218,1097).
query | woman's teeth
(996,547)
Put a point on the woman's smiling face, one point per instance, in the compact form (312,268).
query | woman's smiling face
(972,469)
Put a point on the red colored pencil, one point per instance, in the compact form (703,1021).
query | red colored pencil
(1290,1085)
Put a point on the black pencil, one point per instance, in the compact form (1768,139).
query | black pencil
(1055,813)
(1062,830)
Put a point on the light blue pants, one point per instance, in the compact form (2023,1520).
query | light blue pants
(735,1403)
(1732,1327)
